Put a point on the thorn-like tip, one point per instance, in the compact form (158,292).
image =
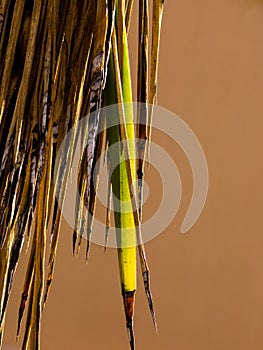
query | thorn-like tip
(131,336)
(87,251)
(129,299)
(77,246)
(106,239)
(74,241)
(146,279)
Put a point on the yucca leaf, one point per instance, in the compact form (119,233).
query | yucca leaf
(124,221)
(54,60)
(142,115)
(142,94)
(128,12)
(26,288)
(155,48)
(94,184)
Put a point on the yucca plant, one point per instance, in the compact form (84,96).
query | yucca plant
(59,62)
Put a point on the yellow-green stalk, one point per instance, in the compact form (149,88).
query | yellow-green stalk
(118,89)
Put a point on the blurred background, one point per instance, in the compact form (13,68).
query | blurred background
(207,284)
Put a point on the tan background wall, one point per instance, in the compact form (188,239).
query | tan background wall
(207,285)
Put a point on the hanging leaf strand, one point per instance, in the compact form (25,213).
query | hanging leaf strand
(59,62)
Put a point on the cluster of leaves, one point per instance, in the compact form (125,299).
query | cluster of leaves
(60,61)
